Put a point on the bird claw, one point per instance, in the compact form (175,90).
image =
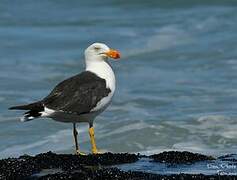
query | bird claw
(97,152)
(80,153)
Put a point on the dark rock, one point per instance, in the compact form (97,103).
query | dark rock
(116,174)
(25,166)
(229,158)
(176,157)
(66,166)
(13,168)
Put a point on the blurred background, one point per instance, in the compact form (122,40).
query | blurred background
(176,81)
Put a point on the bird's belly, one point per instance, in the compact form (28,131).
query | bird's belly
(103,103)
(73,118)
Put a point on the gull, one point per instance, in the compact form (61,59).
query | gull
(79,98)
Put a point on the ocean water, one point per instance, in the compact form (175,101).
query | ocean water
(176,80)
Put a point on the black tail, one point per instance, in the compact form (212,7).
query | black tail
(37,106)
(34,110)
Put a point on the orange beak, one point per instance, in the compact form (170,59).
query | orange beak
(113,54)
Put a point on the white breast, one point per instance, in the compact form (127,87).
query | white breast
(103,70)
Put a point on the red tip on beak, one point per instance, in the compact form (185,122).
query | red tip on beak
(113,54)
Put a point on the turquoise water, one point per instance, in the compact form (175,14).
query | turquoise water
(176,81)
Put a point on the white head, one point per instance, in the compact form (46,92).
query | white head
(100,52)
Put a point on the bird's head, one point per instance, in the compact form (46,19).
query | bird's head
(100,52)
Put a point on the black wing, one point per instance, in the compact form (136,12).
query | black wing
(78,94)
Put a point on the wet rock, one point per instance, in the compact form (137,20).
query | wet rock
(229,158)
(176,157)
(25,166)
(53,166)
(116,174)
(13,168)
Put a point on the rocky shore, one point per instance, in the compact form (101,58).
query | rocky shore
(166,165)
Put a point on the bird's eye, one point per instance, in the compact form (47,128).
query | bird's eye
(97,48)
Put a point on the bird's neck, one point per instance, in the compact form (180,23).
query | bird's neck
(103,70)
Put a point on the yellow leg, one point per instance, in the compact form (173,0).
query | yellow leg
(92,137)
(75,133)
